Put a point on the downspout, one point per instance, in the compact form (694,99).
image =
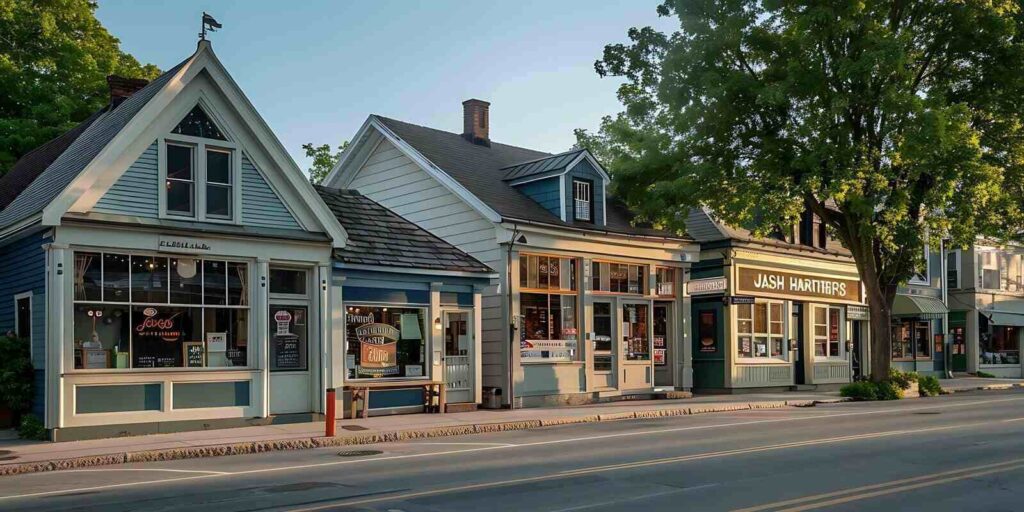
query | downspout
(511,319)
(947,358)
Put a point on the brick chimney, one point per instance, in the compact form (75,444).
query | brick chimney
(121,88)
(476,122)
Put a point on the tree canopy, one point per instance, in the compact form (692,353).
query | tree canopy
(54,59)
(323,160)
(896,122)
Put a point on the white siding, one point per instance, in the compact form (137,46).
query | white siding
(395,181)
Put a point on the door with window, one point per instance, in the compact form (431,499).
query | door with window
(458,357)
(603,346)
(290,328)
(635,332)
(662,342)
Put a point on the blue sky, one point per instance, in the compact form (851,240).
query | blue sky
(316,69)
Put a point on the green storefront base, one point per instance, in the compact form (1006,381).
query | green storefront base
(958,319)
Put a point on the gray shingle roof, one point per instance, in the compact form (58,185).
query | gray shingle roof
(542,166)
(482,169)
(703,226)
(377,236)
(66,167)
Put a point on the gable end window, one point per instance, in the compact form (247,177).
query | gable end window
(583,200)
(200,170)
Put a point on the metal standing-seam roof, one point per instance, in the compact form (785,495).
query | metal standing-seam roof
(79,153)
(379,237)
(551,164)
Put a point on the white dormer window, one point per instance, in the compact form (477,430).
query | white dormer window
(583,200)
(200,168)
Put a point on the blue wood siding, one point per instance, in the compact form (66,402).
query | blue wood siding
(23,269)
(260,204)
(584,170)
(545,192)
(136,191)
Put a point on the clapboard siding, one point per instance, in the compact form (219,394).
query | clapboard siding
(136,192)
(23,269)
(584,170)
(546,193)
(398,183)
(260,204)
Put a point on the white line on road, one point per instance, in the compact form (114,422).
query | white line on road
(485,448)
(507,445)
(620,501)
(104,470)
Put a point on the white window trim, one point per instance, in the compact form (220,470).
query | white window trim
(578,187)
(31,312)
(842,333)
(428,341)
(927,269)
(784,358)
(200,146)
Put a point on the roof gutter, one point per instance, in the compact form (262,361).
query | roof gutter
(417,271)
(597,231)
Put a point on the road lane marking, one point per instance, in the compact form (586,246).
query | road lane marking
(620,501)
(343,502)
(886,484)
(137,469)
(911,487)
(485,448)
(506,445)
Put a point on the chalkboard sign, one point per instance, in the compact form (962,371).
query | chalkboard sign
(287,353)
(193,354)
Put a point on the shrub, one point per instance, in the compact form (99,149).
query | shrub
(15,375)
(903,380)
(929,385)
(32,428)
(888,390)
(860,391)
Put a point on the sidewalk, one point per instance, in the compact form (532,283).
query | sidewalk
(19,456)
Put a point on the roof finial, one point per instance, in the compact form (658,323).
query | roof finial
(208,24)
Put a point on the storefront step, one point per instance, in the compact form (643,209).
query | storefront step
(460,407)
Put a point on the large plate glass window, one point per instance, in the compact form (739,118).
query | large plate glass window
(547,303)
(145,311)
(911,339)
(603,337)
(636,332)
(385,342)
(759,330)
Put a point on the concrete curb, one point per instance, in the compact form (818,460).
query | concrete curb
(984,387)
(308,443)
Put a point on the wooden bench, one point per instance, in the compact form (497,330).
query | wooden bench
(431,391)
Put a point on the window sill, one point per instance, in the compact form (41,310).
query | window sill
(983,365)
(831,360)
(761,361)
(549,363)
(157,371)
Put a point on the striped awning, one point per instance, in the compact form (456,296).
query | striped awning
(919,306)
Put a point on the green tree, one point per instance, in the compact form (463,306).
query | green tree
(897,122)
(54,59)
(323,160)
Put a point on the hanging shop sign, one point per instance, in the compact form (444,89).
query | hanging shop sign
(378,350)
(787,284)
(858,313)
(706,286)
(738,299)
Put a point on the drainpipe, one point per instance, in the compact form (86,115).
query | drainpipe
(516,237)
(947,358)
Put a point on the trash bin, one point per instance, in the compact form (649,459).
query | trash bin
(491,398)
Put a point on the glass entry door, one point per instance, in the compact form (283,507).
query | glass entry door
(604,353)
(458,357)
(663,344)
(635,332)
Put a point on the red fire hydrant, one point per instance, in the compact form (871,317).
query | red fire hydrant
(329,419)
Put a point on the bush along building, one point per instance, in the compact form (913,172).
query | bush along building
(986,302)
(773,313)
(587,306)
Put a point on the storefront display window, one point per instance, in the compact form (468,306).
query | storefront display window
(619,278)
(911,339)
(826,332)
(385,342)
(1000,346)
(141,311)
(636,334)
(549,331)
(759,330)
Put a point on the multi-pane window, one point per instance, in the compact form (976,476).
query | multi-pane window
(826,332)
(1000,270)
(583,200)
(618,277)
(759,330)
(911,339)
(199,172)
(547,303)
(144,311)
(665,281)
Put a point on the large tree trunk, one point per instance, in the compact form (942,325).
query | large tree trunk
(880,298)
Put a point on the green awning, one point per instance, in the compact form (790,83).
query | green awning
(919,306)
(1003,318)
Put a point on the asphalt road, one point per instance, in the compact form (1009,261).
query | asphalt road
(961,452)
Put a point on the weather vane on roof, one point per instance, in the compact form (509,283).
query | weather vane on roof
(208,24)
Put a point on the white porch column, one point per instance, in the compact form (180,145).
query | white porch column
(261,310)
(478,331)
(336,366)
(685,377)
(59,306)
(436,336)
(326,345)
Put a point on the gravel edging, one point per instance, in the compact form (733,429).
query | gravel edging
(307,443)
